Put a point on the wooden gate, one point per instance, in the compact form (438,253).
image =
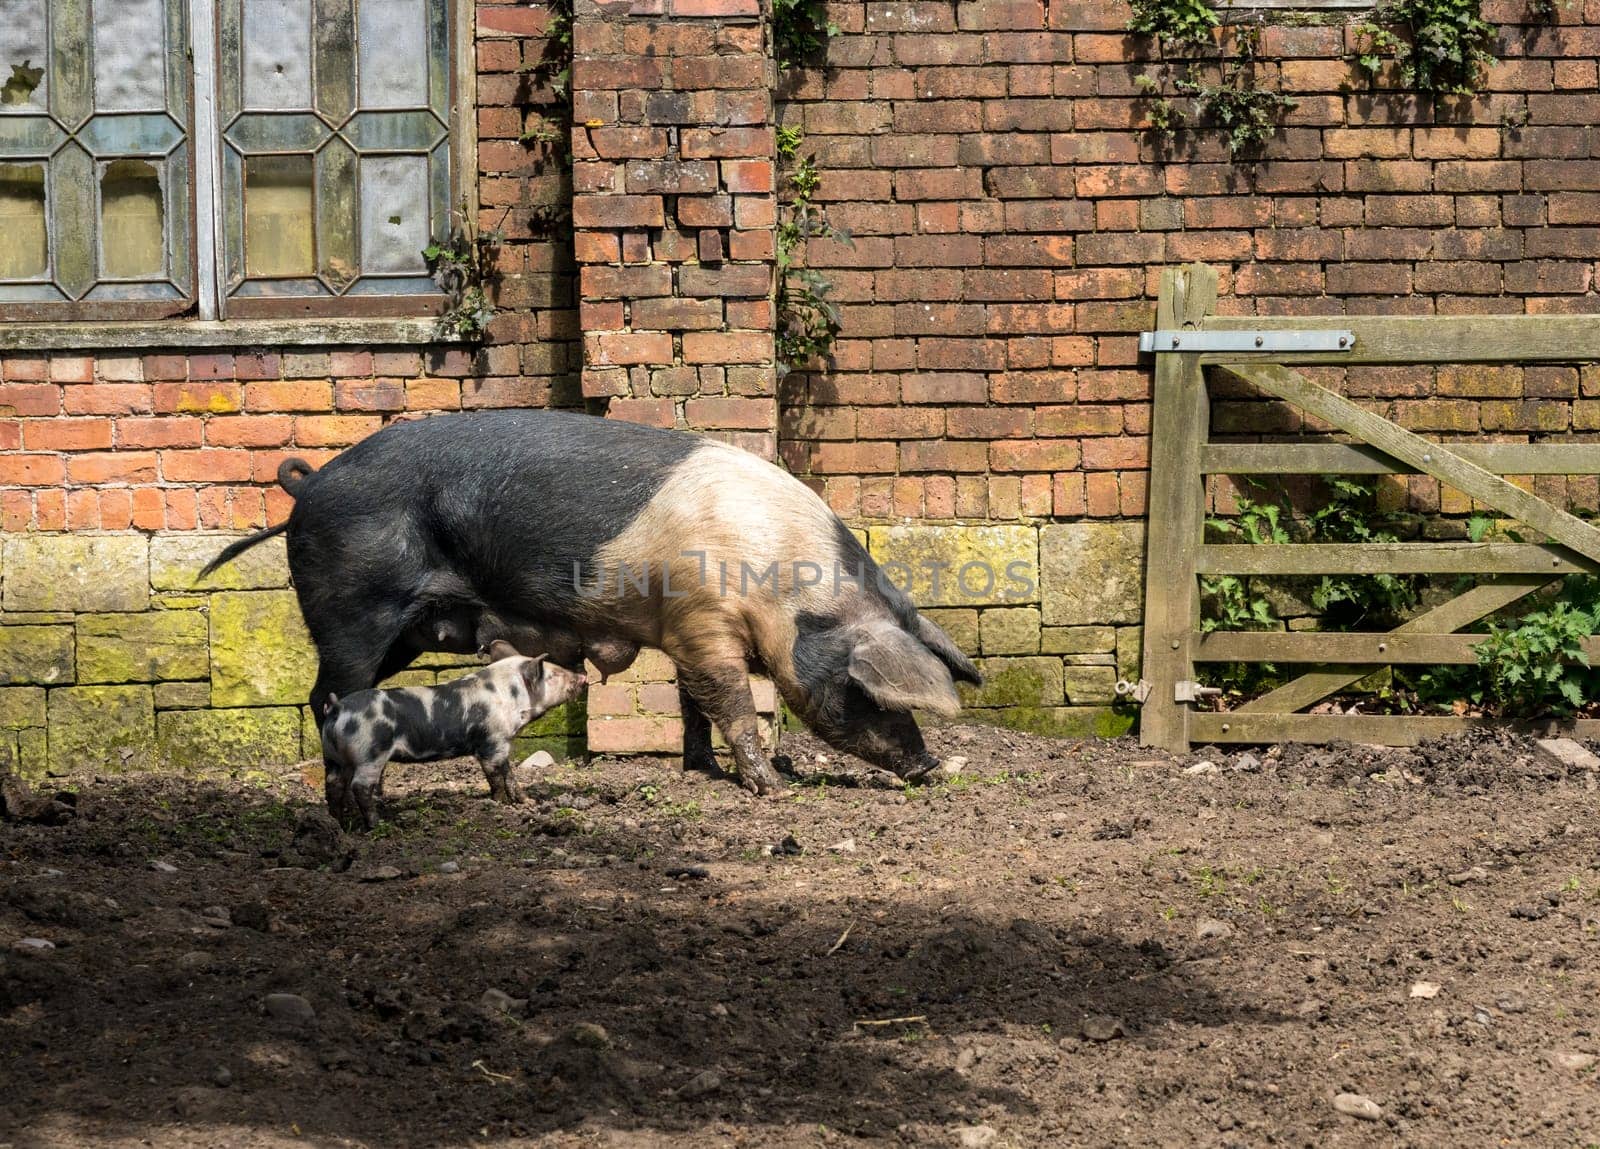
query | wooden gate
(1191,343)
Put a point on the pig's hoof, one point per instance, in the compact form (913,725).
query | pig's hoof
(760,780)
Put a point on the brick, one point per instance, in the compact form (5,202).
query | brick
(617,211)
(622,349)
(728,347)
(67,435)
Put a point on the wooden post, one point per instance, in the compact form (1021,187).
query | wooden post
(1180,426)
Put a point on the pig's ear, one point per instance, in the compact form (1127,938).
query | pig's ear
(500,648)
(936,640)
(899,673)
(533,670)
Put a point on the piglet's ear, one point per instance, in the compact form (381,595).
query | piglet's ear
(500,648)
(899,673)
(533,670)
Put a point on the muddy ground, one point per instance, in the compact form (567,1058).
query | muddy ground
(1082,944)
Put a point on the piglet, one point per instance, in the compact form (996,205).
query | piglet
(477,715)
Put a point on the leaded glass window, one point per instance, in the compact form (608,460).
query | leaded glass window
(313,173)
(95,158)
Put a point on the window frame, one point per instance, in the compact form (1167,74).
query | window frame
(209,318)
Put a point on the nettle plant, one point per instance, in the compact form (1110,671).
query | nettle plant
(800,29)
(1440,45)
(808,320)
(465,267)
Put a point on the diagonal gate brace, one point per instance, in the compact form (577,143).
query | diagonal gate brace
(1427,457)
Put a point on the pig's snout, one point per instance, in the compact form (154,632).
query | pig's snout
(916,767)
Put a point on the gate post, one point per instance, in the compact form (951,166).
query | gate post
(1179,427)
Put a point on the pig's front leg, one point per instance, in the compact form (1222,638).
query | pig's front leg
(496,764)
(723,694)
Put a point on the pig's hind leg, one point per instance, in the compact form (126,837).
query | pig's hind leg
(494,759)
(366,784)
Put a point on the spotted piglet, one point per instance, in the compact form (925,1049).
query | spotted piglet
(477,715)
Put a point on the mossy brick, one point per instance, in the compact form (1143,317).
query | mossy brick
(182,695)
(231,739)
(179,601)
(175,562)
(1087,685)
(561,732)
(1061,721)
(41,655)
(37,618)
(261,654)
(33,752)
(310,736)
(1010,630)
(1130,652)
(959,565)
(1077,639)
(1092,573)
(1016,682)
(101,728)
(412,677)
(83,573)
(21,706)
(155,646)
(960,624)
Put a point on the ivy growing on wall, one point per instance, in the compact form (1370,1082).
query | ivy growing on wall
(1440,45)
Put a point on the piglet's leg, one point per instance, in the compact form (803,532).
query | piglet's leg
(723,693)
(364,788)
(495,761)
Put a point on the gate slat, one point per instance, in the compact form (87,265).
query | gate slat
(1433,338)
(1463,610)
(1372,649)
(1377,729)
(1433,458)
(1361,459)
(1390,558)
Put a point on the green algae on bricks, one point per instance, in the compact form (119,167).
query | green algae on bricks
(1093,573)
(1016,682)
(1086,685)
(199,740)
(1010,630)
(21,707)
(974,564)
(1059,721)
(109,728)
(86,573)
(40,655)
(175,562)
(261,654)
(163,645)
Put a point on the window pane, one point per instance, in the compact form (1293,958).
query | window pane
(132,241)
(129,55)
(24,253)
(393,54)
(394,214)
(277,54)
(278,232)
(22,56)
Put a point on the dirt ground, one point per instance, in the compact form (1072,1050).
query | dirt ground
(1066,944)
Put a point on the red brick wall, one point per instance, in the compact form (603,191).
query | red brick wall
(1010,220)
(122,440)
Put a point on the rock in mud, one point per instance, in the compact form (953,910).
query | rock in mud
(1462,877)
(33,945)
(1571,1060)
(449,867)
(1210,928)
(1530,912)
(318,841)
(538,760)
(221,1077)
(843,846)
(1201,769)
(1102,1028)
(788,848)
(499,1001)
(382,874)
(976,1136)
(161,867)
(1357,1106)
(589,1035)
(289,1008)
(1425,989)
(689,873)
(700,1085)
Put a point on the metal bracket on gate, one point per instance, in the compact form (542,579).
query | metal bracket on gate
(1197,342)
(1192,691)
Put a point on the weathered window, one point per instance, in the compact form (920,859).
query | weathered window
(224,157)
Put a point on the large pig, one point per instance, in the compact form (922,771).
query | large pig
(617,534)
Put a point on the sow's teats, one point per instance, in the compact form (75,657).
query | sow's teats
(618,534)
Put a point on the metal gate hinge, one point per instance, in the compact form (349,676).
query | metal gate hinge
(1195,342)
(1192,691)
(1132,691)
